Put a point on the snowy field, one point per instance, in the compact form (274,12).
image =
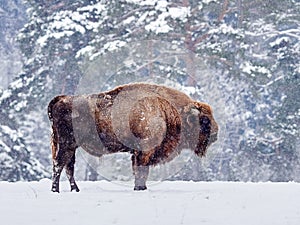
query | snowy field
(163,203)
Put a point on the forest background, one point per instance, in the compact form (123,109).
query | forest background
(240,56)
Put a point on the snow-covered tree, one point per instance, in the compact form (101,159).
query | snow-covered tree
(16,161)
(12,17)
(271,66)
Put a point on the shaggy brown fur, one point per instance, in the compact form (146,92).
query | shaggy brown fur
(151,122)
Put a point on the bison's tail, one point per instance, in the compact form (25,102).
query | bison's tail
(54,135)
(51,104)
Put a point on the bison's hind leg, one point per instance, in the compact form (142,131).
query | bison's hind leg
(70,174)
(64,159)
(57,168)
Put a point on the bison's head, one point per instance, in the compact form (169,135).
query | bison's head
(205,125)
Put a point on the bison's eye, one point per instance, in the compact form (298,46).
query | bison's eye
(205,124)
(192,120)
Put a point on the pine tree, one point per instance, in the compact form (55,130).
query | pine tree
(12,17)
(271,66)
(16,161)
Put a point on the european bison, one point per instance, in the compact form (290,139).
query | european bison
(151,122)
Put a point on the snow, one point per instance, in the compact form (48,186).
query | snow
(5,94)
(98,7)
(14,134)
(84,51)
(278,41)
(208,1)
(248,68)
(129,20)
(66,23)
(180,13)
(160,25)
(225,29)
(4,148)
(148,2)
(166,202)
(114,45)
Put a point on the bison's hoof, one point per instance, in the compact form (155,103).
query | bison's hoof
(75,188)
(140,188)
(54,189)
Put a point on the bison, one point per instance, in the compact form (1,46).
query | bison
(152,122)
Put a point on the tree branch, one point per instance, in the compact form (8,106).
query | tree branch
(224,10)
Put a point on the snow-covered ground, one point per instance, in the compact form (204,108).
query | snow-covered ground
(163,203)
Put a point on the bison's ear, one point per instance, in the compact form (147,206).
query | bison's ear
(203,108)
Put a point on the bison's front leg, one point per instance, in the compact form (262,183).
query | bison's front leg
(140,172)
(141,175)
